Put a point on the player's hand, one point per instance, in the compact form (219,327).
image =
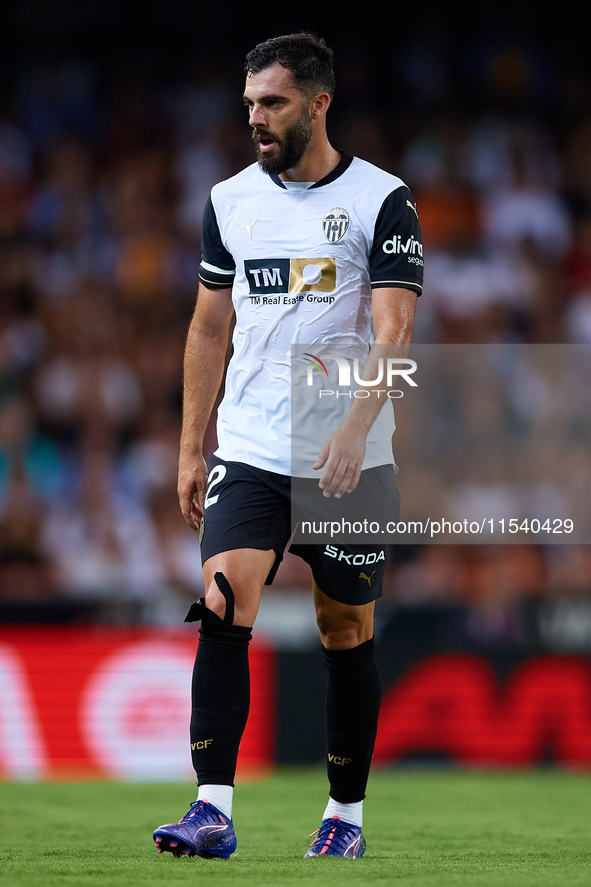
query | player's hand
(191,488)
(341,456)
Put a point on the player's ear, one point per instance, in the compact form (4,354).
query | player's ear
(319,105)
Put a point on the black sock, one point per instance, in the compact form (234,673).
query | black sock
(353,698)
(221,699)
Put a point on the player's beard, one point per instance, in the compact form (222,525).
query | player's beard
(291,146)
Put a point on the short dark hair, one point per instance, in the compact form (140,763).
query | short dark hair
(306,56)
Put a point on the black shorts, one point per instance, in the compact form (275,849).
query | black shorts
(247,507)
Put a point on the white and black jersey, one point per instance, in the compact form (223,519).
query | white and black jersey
(302,259)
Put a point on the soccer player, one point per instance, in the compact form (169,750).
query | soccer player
(308,245)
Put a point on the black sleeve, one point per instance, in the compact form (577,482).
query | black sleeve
(217,269)
(396,256)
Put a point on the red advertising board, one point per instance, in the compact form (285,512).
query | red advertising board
(113,703)
(453,704)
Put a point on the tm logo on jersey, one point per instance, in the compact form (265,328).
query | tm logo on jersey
(270,276)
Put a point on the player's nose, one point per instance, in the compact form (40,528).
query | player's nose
(256,116)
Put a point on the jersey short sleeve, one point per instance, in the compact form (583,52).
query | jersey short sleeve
(396,256)
(217,269)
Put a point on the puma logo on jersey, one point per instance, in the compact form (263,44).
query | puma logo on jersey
(408,203)
(365,576)
(249,228)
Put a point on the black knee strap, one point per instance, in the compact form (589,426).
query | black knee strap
(200,613)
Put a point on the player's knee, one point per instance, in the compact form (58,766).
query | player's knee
(342,632)
(344,638)
(243,602)
(214,600)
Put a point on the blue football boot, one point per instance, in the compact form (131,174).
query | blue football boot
(203,831)
(337,838)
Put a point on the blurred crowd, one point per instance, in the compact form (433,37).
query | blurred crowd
(103,180)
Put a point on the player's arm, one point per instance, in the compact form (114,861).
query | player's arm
(396,275)
(343,452)
(203,371)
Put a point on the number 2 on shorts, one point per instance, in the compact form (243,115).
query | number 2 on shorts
(215,476)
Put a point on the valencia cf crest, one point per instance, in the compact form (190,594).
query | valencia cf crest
(335,224)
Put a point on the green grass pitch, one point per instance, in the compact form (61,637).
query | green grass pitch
(435,828)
